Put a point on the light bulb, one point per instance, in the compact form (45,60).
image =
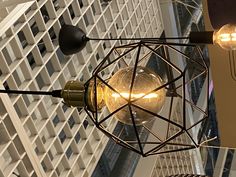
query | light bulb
(226,37)
(145,81)
(77,94)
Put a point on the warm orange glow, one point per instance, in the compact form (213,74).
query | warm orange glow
(226,37)
(135,96)
(142,95)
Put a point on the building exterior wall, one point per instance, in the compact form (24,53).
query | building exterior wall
(39,135)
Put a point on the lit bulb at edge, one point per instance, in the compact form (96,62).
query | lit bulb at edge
(226,37)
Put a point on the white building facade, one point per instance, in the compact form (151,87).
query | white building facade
(39,135)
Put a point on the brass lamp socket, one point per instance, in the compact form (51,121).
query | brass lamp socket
(76,94)
(73,94)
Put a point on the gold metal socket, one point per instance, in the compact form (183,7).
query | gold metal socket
(73,94)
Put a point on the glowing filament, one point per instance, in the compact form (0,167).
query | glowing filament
(135,96)
(142,95)
(227,37)
(233,36)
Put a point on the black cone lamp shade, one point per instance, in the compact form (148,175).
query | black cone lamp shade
(72,39)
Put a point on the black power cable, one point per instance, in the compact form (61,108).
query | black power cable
(54,93)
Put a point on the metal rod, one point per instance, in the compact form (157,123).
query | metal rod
(119,53)
(102,62)
(153,142)
(146,55)
(207,108)
(192,104)
(169,116)
(111,114)
(165,59)
(157,148)
(91,117)
(111,88)
(184,103)
(187,57)
(102,68)
(192,79)
(130,91)
(118,140)
(192,139)
(135,129)
(169,43)
(175,150)
(153,133)
(127,45)
(134,71)
(95,98)
(159,116)
(143,39)
(201,120)
(165,142)
(202,57)
(163,86)
(121,132)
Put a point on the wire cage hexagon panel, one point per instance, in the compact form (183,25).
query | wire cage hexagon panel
(169,130)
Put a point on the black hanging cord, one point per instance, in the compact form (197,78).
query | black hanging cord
(166,38)
(54,93)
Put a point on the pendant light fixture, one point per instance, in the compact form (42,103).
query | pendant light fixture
(225,37)
(135,95)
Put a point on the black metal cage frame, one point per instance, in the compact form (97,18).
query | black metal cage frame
(158,146)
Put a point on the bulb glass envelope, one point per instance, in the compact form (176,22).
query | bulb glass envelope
(226,37)
(171,129)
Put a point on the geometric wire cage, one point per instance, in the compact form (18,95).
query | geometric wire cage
(162,134)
